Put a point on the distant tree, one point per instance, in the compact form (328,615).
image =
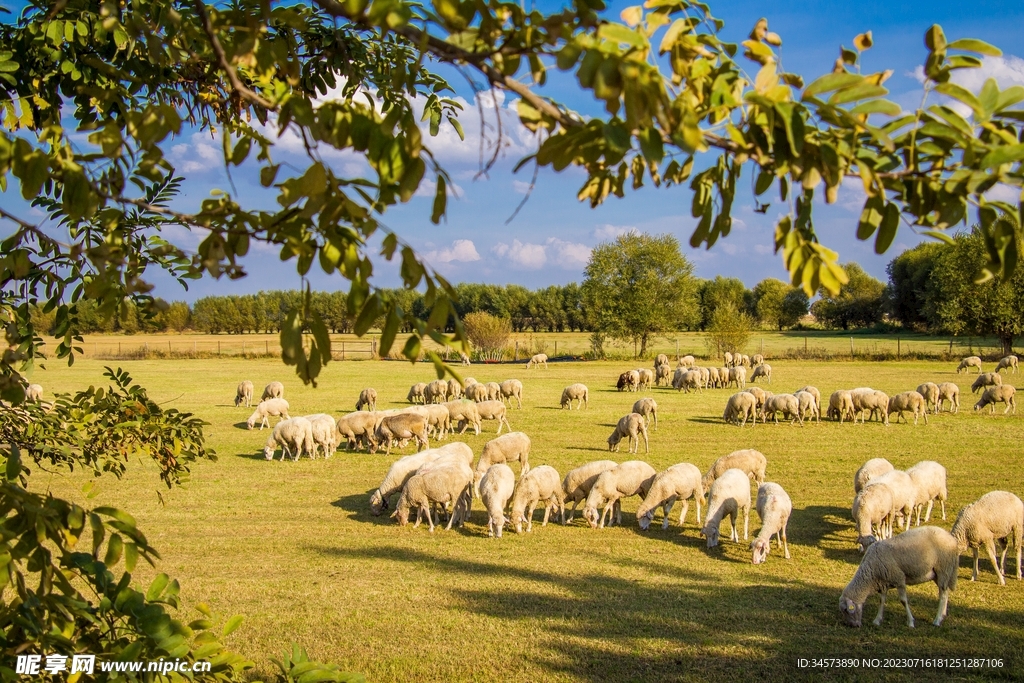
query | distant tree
(176,317)
(728,330)
(769,296)
(720,292)
(860,302)
(489,334)
(795,305)
(909,275)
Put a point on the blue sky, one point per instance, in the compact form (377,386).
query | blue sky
(550,239)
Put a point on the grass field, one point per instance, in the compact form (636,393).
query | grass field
(292,546)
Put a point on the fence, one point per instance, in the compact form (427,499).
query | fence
(128,349)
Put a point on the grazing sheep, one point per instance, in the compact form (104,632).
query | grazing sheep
(325,434)
(924,554)
(575,392)
(1002,394)
(628,381)
(646,378)
(512,447)
(271,407)
(273,390)
(496,488)
(948,391)
(663,375)
(477,392)
(356,427)
(468,381)
(493,391)
(443,485)
(840,406)
(904,494)
(705,376)
(649,409)
(454,390)
(715,377)
(986,379)
(367,399)
(728,495)
(774,508)
(631,426)
(759,394)
(690,379)
(1007,362)
(493,410)
(757,359)
(243,394)
(512,389)
(737,376)
(929,479)
(622,382)
(741,404)
(538,360)
(439,420)
(578,482)
(872,512)
(686,362)
(866,402)
(436,392)
(661,359)
(401,426)
(539,484)
(744,360)
(464,358)
(930,392)
(969,362)
(679,482)
(294,435)
(908,401)
(762,370)
(416,393)
(868,471)
(399,473)
(807,406)
(465,414)
(727,357)
(787,404)
(631,478)
(996,516)
(752,462)
(813,391)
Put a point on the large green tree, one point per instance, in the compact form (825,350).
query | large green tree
(777,304)
(722,291)
(861,303)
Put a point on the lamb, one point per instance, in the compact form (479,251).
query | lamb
(454,390)
(357,426)
(444,485)
(762,370)
(904,494)
(243,394)
(578,482)
(273,390)
(539,484)
(512,389)
(1002,394)
(477,392)
(271,407)
(631,426)
(908,401)
(986,379)
(496,488)
(738,376)
(813,391)
(294,435)
(493,391)
(929,479)
(872,512)
(646,378)
(923,554)
(774,508)
(840,406)
(538,360)
(512,447)
(728,495)
(575,392)
(679,482)
(741,404)
(631,478)
(401,426)
(493,410)
(787,404)
(969,362)
(325,434)
(930,392)
(752,462)
(649,409)
(663,375)
(686,362)
(867,401)
(436,392)
(996,516)
(1007,362)
(416,393)
(868,471)
(367,399)
(757,359)
(951,392)
(465,414)
(662,359)
(807,406)
(399,473)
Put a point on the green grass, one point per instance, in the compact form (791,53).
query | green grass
(293,547)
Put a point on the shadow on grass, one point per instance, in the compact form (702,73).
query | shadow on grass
(241,425)
(586,448)
(359,505)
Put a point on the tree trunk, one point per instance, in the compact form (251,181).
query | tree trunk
(1006,340)
(643,345)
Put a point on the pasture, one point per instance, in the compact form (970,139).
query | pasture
(292,546)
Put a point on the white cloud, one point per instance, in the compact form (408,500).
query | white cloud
(1007,71)
(201,153)
(459,250)
(730,248)
(428,187)
(569,255)
(524,256)
(610,232)
(520,186)
(1004,193)
(763,249)
(530,256)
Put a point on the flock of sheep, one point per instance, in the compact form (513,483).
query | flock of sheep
(440,483)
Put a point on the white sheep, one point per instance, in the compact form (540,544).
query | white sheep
(454,390)
(493,410)
(273,390)
(631,478)
(661,359)
(465,413)
(628,381)
(438,418)
(294,435)
(757,359)
(840,406)
(539,484)
(930,392)
(904,494)
(1002,394)
(538,360)
(807,406)
(929,478)
(469,381)
(986,379)
(356,427)
(443,485)
(868,471)
(872,512)
(496,488)
(325,434)
(647,407)
(996,516)
(740,404)
(774,508)
(578,482)
(813,391)
(399,473)
(759,394)
(632,427)
(646,378)
(715,377)
(749,461)
(575,392)
(728,495)
(663,375)
(416,393)
(512,389)
(367,399)
(435,392)
(737,376)
(690,379)
(705,377)
(969,362)
(867,402)
(1009,362)
(762,370)
(908,401)
(493,391)
(927,553)
(678,482)
(686,362)
(727,357)
(948,391)
(243,394)
(271,407)
(401,426)
(477,392)
(464,358)
(787,404)
(509,448)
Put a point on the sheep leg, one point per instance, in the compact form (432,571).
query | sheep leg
(547,513)
(647,444)
(734,534)
(990,548)
(746,522)
(698,499)
(618,512)
(943,605)
(906,603)
(881,610)
(928,512)
(529,516)
(974,575)
(430,520)
(785,541)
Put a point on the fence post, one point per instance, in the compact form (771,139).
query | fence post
(343,350)
(168,348)
(897,348)
(515,355)
(243,347)
(193,347)
(266,347)
(218,347)
(556,349)
(805,344)
(119,348)
(851,347)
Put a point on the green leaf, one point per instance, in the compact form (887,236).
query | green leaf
(371,309)
(1003,155)
(1010,97)
(320,334)
(857,92)
(268,174)
(877,107)
(830,82)
(156,588)
(617,33)
(887,230)
(114,548)
(939,235)
(440,200)
(233,623)
(388,333)
(961,94)
(131,556)
(870,217)
(935,39)
(651,145)
(977,46)
(14,463)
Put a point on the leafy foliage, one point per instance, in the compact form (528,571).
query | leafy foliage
(489,334)
(728,330)
(861,303)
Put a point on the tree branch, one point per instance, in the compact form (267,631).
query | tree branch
(218,50)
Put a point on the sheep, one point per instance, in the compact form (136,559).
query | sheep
(923,554)
(715,376)
(649,409)
(493,391)
(464,358)
(690,379)
(575,392)
(538,360)
(759,394)
(737,376)
(578,482)
(243,394)
(996,516)
(930,392)
(762,370)
(628,381)
(512,389)
(443,485)
(951,392)
(774,508)
(787,404)
(969,362)
(401,426)
(512,447)
(399,473)
(872,512)
(904,494)
(752,462)
(438,418)
(910,401)
(813,391)
(465,414)
(1002,394)
(468,381)
(416,393)
(1007,362)
(663,375)
(678,482)
(807,406)
(477,392)
(868,471)
(661,359)
(325,434)
(929,479)
(744,360)
(454,390)
(496,488)
(622,382)
(367,398)
(539,484)
(727,357)
(986,379)
(867,401)
(646,378)
(757,359)
(294,435)
(493,410)
(840,406)
(277,407)
(705,377)
(631,426)
(272,390)
(686,362)
(436,392)
(356,427)
(740,404)
(728,495)
(631,478)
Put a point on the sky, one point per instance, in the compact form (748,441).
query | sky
(549,240)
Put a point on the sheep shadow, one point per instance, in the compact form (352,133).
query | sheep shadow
(829,528)
(586,448)
(358,505)
(252,456)
(242,425)
(705,420)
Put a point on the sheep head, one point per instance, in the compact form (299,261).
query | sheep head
(852,612)
(711,533)
(377,503)
(613,441)
(864,541)
(592,516)
(761,548)
(645,519)
(268,452)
